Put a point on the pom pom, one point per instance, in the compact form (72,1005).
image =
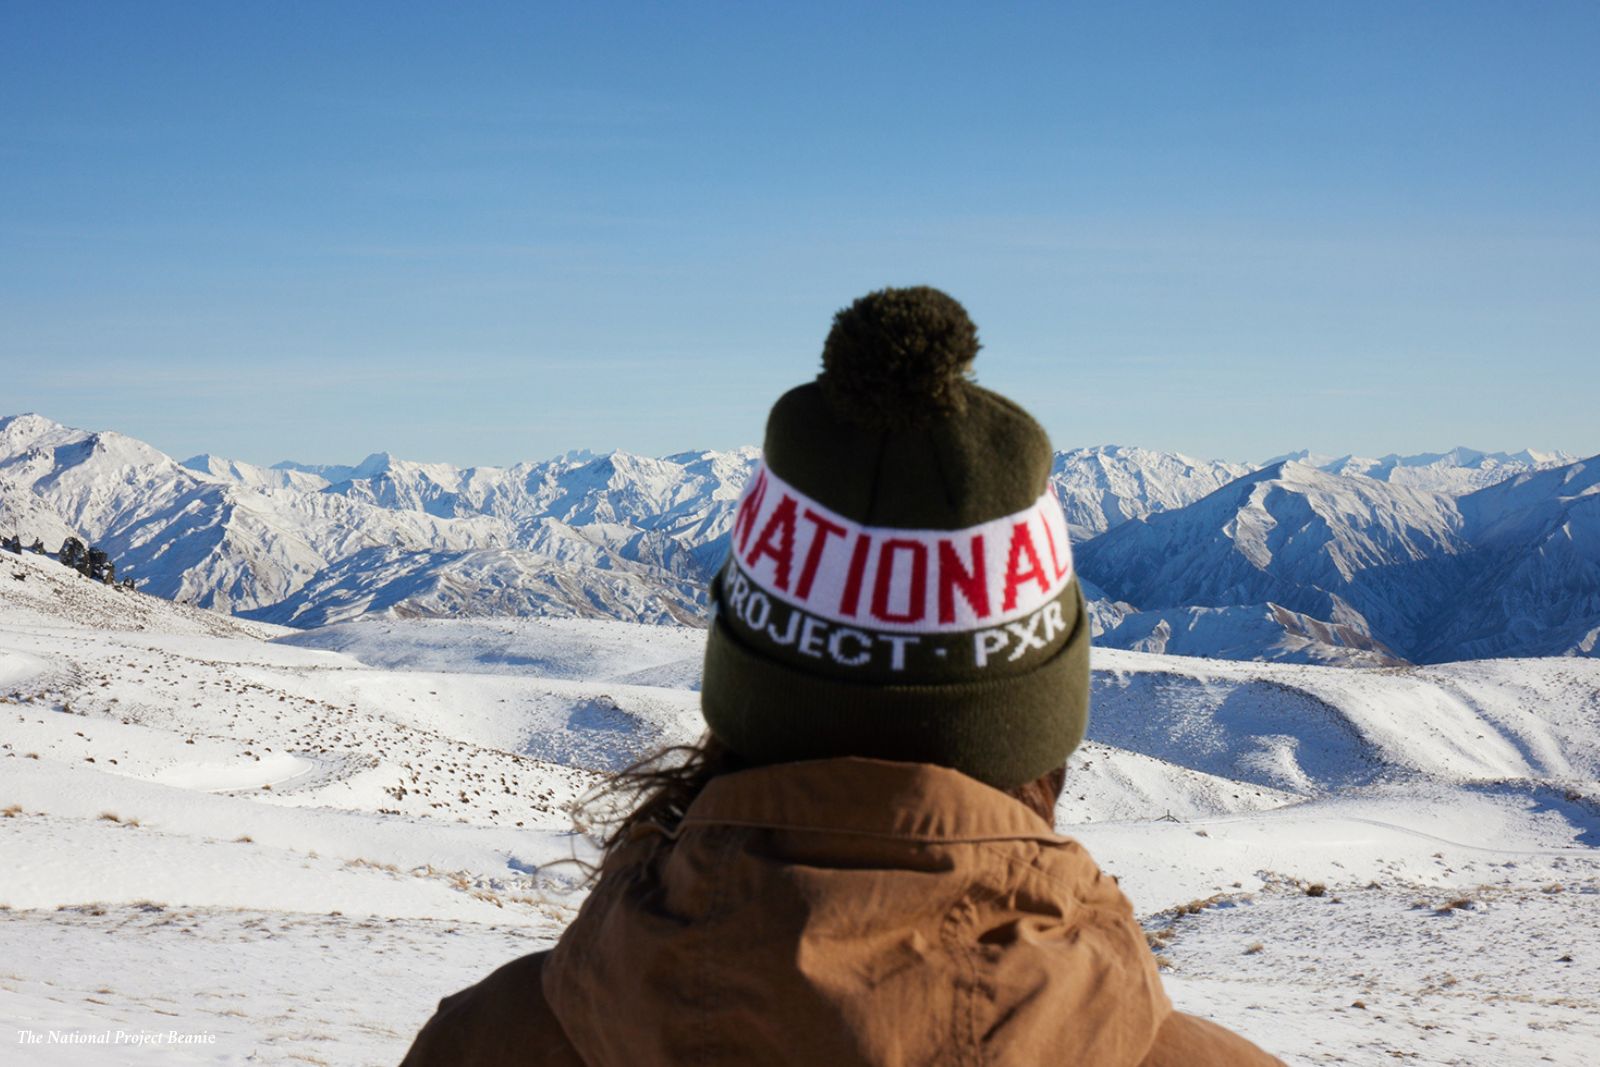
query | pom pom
(898,358)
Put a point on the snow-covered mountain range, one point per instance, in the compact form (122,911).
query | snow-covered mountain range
(609,536)
(1360,570)
(1427,558)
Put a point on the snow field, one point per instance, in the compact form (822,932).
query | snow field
(1494,974)
(299,849)
(269,986)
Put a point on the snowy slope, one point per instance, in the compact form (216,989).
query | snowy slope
(486,582)
(1258,631)
(592,649)
(328,830)
(40,593)
(1533,584)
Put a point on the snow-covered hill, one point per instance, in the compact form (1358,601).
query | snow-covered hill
(1532,584)
(489,582)
(1257,631)
(391,799)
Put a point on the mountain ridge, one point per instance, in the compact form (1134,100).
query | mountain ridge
(1304,558)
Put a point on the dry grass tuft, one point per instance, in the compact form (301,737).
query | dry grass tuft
(83,909)
(1194,907)
(1255,949)
(1157,940)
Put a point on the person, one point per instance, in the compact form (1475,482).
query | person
(858,865)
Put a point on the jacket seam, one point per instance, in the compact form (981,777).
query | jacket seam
(1043,836)
(963,1016)
(1031,868)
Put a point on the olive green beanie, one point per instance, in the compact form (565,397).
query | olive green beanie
(899,583)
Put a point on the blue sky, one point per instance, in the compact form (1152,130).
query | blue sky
(485,232)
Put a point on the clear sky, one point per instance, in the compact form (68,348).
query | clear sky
(486,232)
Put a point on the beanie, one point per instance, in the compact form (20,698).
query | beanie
(899,583)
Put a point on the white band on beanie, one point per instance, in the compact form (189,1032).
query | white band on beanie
(883,578)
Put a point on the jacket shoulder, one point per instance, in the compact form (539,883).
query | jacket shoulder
(1189,1041)
(502,1021)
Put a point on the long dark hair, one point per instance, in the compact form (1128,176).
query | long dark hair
(656,792)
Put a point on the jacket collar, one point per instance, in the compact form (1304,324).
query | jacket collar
(869,797)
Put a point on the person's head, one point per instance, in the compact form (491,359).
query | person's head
(899,583)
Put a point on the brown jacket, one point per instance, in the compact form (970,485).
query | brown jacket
(839,913)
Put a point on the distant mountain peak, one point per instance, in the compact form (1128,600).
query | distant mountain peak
(374,465)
